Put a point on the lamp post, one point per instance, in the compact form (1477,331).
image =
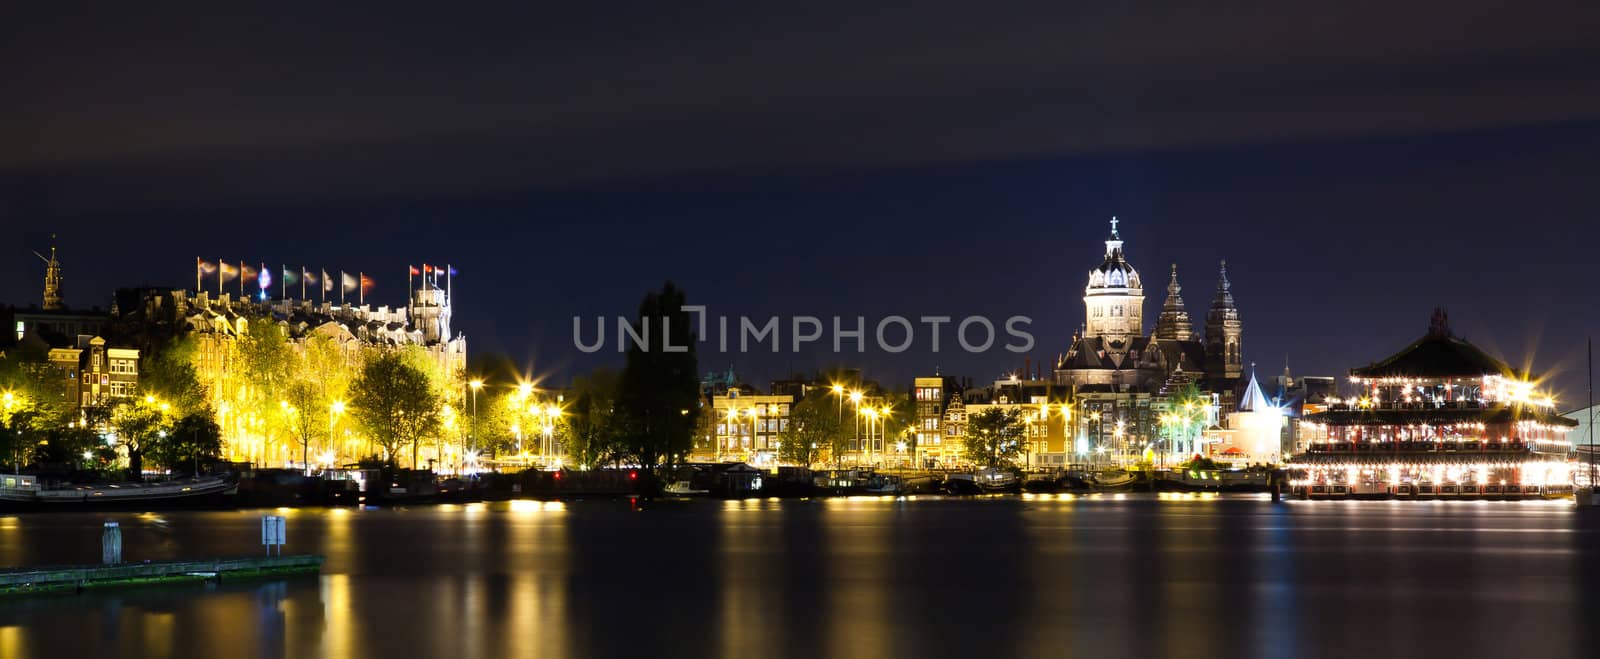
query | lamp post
(334,411)
(475,385)
(855,404)
(1099,429)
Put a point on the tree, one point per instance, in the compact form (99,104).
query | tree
(659,395)
(138,424)
(192,439)
(169,375)
(306,413)
(994,436)
(814,427)
(394,402)
(591,421)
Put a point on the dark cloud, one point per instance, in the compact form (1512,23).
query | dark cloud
(204,104)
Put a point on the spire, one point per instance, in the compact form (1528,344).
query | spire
(1222,305)
(1253,400)
(52,278)
(1223,331)
(1173,323)
(1439,325)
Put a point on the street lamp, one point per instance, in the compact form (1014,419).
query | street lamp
(855,404)
(334,410)
(475,385)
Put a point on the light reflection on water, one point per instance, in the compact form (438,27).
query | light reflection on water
(857,577)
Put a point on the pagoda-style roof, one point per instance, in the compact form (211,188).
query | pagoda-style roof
(1439,354)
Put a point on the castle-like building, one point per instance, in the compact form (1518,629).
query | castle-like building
(1119,372)
(1114,353)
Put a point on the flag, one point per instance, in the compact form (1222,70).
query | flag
(426,268)
(327,282)
(450,271)
(290,276)
(207,267)
(246,271)
(347,282)
(228,271)
(264,279)
(309,276)
(366,283)
(414,270)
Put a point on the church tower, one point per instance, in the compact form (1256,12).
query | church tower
(52,279)
(1223,331)
(1173,323)
(1114,299)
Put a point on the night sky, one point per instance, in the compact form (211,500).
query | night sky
(1356,164)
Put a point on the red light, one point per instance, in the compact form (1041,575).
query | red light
(632,475)
(558,475)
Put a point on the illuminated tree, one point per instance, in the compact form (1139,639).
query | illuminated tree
(591,421)
(138,423)
(305,410)
(187,442)
(395,403)
(994,437)
(814,427)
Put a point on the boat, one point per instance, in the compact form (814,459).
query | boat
(983,481)
(1112,481)
(686,481)
(24,493)
(885,484)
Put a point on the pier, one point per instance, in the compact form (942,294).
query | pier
(77,578)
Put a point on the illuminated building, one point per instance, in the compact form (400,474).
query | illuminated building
(745,426)
(216,323)
(1439,418)
(932,397)
(1116,370)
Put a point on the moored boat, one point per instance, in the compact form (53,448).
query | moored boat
(24,493)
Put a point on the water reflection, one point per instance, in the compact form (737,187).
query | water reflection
(869,577)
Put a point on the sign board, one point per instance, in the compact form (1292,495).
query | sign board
(273,532)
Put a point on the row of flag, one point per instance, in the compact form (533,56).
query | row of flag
(304,278)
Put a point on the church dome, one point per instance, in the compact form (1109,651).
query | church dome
(1115,273)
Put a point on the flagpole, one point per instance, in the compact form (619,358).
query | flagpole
(196,275)
(283,286)
(361,288)
(341,288)
(449,272)
(222,266)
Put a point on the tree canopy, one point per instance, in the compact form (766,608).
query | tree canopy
(395,403)
(659,395)
(814,428)
(994,437)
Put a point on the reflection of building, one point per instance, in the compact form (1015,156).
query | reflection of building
(1117,371)
(1440,417)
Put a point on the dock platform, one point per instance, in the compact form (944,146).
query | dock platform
(77,578)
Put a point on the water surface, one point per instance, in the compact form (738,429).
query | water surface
(1127,576)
